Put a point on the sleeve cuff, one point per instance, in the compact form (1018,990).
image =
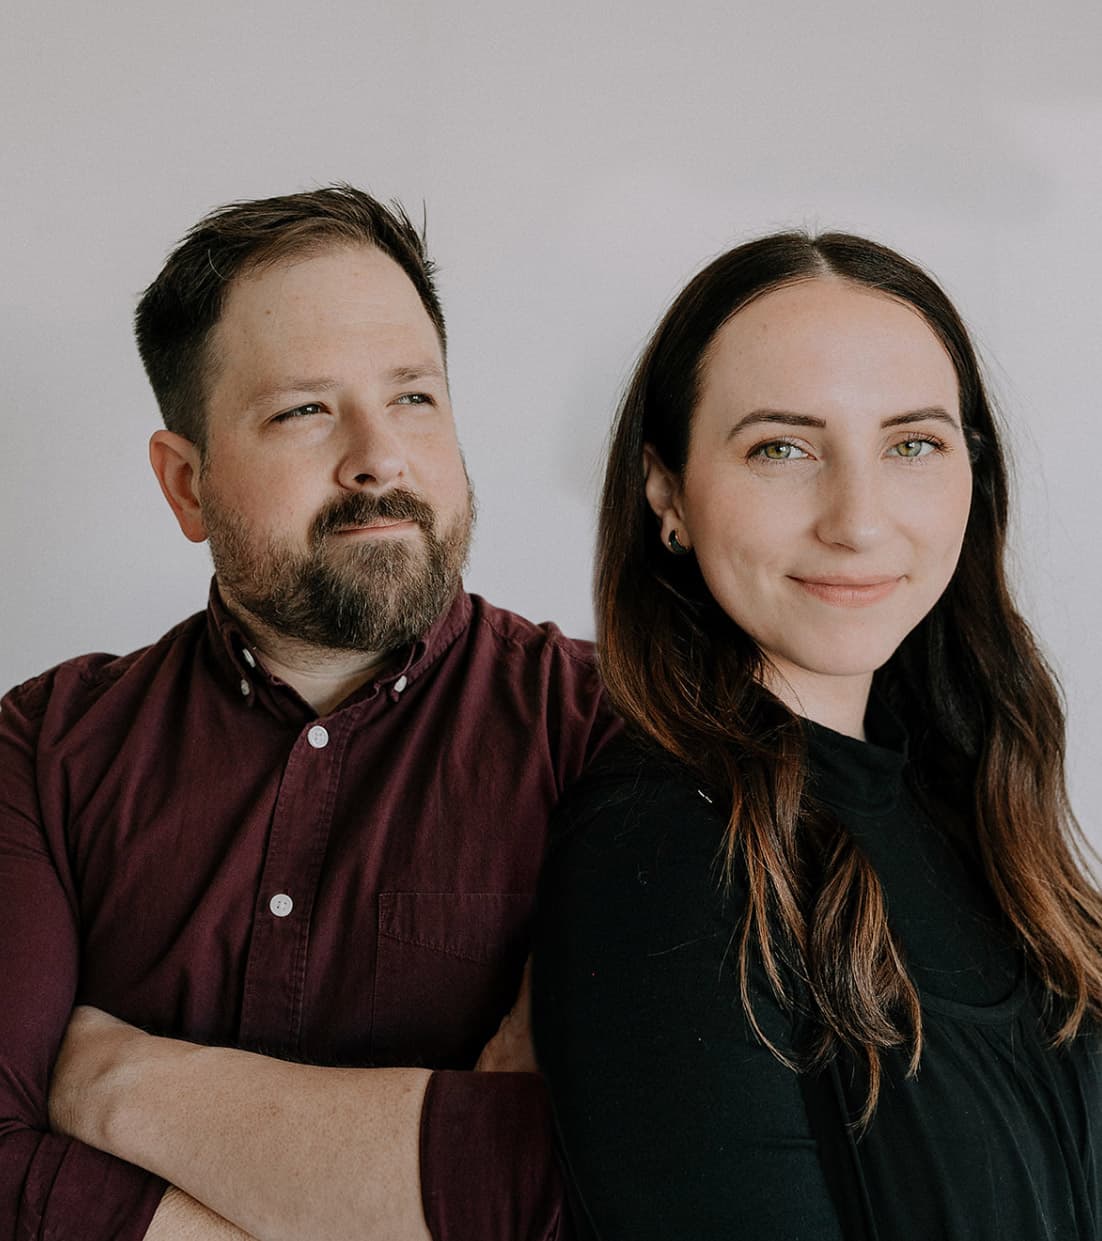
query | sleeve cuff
(74,1193)
(488,1165)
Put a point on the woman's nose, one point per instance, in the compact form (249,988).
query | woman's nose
(851,513)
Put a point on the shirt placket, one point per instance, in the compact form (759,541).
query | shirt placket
(275,973)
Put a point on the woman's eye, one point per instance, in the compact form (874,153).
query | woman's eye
(911,450)
(778,450)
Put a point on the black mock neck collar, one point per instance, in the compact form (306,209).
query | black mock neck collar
(862,777)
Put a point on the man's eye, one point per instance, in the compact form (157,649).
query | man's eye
(300,411)
(415,398)
(778,450)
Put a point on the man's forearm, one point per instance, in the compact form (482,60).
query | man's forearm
(180,1218)
(285,1151)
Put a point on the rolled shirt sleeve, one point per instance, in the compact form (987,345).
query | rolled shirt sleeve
(488,1167)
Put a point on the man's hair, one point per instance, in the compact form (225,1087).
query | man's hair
(179,311)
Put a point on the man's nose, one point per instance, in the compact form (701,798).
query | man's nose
(373,453)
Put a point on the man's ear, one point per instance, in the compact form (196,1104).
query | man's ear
(175,461)
(663,488)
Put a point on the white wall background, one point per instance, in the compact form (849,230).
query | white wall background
(577,163)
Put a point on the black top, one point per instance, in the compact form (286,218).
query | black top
(676,1122)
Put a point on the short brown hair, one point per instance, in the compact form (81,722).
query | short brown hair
(179,310)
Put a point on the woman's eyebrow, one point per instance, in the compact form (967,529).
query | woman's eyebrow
(788,418)
(775,415)
(934,413)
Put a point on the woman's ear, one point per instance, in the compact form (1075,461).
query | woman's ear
(175,461)
(663,488)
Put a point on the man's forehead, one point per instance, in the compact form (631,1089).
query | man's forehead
(309,323)
(319,270)
(294,255)
(331,295)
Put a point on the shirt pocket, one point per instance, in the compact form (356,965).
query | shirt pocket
(448,969)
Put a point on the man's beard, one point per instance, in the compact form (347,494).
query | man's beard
(376,594)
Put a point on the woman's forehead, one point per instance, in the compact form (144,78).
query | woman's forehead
(826,342)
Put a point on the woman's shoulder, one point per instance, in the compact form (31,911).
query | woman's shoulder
(633,873)
(633,780)
(638,809)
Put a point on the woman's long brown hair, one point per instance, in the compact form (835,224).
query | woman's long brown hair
(983,711)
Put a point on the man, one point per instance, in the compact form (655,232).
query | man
(308,822)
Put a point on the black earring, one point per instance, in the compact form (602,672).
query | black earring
(675,545)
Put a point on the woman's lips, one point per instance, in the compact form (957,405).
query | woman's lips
(849,592)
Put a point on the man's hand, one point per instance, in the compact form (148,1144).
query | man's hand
(511,1050)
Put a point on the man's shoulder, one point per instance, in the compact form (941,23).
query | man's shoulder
(516,633)
(539,680)
(78,683)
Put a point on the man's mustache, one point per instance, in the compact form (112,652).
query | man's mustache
(360,509)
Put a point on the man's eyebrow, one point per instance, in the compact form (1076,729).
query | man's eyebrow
(411,374)
(293,385)
(785,417)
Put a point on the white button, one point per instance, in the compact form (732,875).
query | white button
(245,688)
(247,656)
(318,737)
(401,683)
(281,904)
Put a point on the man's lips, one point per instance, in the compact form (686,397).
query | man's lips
(849,592)
(381,526)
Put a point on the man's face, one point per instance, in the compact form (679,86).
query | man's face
(332,487)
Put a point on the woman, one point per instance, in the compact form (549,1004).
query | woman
(819,956)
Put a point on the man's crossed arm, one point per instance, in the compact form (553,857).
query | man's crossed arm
(287,1152)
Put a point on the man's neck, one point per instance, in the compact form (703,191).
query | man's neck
(323,677)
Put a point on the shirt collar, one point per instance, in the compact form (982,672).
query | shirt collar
(249,680)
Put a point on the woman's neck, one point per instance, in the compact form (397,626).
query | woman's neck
(836,702)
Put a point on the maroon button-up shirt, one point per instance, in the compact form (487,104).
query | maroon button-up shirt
(184,843)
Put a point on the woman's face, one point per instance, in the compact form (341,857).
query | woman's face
(827,485)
